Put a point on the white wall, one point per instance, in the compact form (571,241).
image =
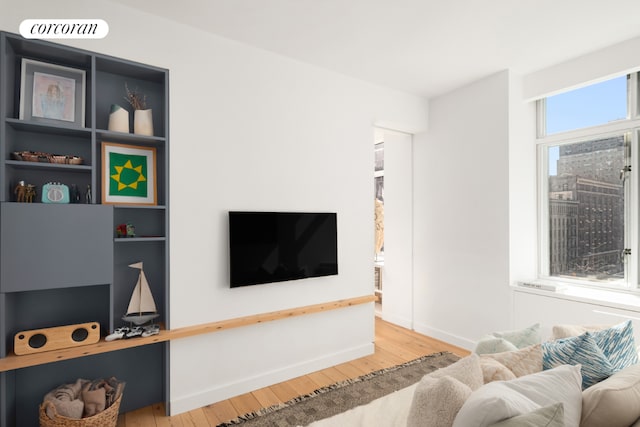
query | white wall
(256,131)
(550,309)
(523,236)
(461,217)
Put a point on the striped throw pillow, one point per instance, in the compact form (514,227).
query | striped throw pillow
(581,350)
(618,344)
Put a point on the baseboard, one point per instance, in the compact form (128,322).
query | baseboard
(397,320)
(226,391)
(445,336)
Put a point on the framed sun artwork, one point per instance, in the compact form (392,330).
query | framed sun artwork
(128,174)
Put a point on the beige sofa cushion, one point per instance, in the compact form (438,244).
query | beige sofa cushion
(614,401)
(567,331)
(492,370)
(521,362)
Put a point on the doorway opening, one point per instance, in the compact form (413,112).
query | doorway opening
(378,180)
(393,212)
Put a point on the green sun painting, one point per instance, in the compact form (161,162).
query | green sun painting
(128,173)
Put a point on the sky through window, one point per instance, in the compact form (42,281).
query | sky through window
(588,106)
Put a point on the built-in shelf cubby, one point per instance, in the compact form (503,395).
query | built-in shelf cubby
(63,263)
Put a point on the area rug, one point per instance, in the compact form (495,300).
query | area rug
(339,397)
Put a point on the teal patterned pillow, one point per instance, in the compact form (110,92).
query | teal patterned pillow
(582,350)
(618,344)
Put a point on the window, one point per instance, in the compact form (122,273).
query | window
(587,143)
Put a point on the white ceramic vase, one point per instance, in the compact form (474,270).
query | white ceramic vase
(118,119)
(143,122)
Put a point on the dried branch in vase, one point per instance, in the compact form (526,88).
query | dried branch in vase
(137,100)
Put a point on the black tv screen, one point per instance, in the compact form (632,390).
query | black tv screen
(267,247)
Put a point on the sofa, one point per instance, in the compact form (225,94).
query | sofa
(582,376)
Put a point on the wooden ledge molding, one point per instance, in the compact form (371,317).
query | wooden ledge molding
(267,317)
(12,362)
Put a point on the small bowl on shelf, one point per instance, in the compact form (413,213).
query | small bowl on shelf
(74,160)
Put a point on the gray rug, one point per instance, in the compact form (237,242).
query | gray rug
(339,397)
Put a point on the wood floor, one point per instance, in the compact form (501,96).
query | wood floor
(393,345)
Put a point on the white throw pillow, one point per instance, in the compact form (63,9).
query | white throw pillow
(501,400)
(549,416)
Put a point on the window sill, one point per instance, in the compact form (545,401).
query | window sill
(624,300)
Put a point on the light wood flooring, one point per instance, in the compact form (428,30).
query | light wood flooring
(393,345)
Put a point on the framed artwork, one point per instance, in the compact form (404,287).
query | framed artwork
(52,94)
(128,174)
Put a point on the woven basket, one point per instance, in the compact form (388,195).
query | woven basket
(106,418)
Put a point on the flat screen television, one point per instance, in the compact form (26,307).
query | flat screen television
(267,247)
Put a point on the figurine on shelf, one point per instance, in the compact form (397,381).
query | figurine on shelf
(30,193)
(20,191)
(126,230)
(88,195)
(25,193)
(74,195)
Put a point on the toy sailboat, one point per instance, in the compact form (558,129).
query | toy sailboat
(142,307)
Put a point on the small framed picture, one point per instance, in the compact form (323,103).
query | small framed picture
(52,93)
(128,174)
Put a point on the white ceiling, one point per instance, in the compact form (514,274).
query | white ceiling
(425,47)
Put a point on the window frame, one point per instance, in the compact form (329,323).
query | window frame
(630,125)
